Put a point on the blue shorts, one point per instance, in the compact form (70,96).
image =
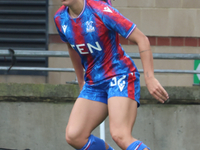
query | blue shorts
(127,85)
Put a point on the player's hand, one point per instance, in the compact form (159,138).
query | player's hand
(156,90)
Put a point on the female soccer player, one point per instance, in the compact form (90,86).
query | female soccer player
(110,85)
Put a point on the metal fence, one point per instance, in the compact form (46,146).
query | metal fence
(23,53)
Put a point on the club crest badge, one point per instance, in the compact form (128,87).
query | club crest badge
(89,27)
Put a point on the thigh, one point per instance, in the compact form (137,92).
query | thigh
(122,113)
(123,94)
(85,116)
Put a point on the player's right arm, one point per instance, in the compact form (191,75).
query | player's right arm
(75,58)
(76,61)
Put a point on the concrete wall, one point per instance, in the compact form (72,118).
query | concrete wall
(34,116)
(41,126)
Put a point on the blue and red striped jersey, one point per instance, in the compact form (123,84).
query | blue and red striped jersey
(94,35)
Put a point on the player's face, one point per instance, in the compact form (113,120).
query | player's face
(67,2)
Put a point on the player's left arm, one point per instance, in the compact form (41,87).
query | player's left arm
(114,20)
(153,85)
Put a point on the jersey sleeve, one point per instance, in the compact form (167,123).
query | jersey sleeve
(59,29)
(114,20)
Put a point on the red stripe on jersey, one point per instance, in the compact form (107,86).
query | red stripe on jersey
(107,48)
(90,62)
(131,85)
(79,39)
(115,15)
(129,64)
(57,19)
(123,22)
(125,59)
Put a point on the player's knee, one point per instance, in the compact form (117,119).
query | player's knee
(71,136)
(76,138)
(118,137)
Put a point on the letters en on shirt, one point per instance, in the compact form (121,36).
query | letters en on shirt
(82,48)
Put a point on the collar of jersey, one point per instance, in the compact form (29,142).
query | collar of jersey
(80,13)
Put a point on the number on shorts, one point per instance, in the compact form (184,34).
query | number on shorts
(121,83)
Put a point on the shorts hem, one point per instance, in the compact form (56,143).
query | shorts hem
(138,101)
(105,102)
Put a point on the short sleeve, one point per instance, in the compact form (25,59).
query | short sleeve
(114,20)
(59,29)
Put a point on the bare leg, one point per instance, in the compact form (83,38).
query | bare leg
(122,115)
(85,116)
